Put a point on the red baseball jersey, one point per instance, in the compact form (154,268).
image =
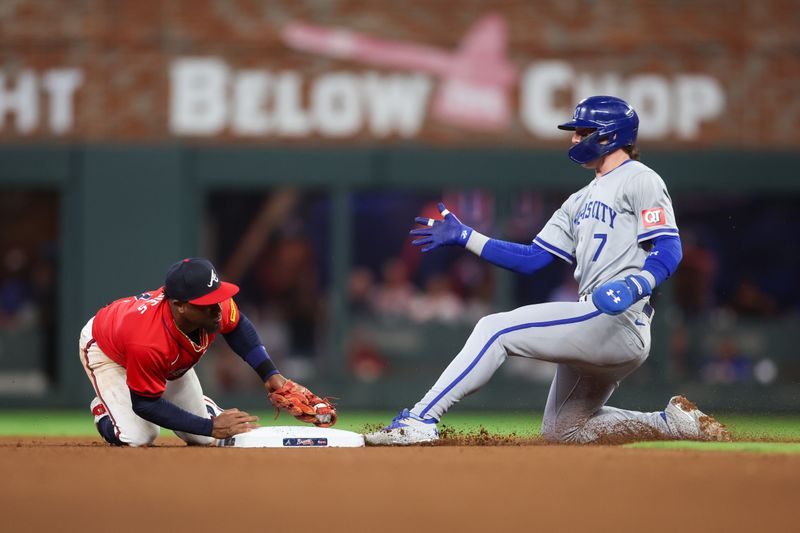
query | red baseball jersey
(140,334)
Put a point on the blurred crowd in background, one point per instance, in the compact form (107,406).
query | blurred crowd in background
(736,271)
(28,288)
(724,308)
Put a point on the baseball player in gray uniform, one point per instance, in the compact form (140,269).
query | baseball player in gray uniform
(620,233)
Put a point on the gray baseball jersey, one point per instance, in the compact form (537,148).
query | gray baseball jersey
(597,227)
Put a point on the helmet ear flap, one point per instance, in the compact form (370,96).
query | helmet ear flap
(601,142)
(588,149)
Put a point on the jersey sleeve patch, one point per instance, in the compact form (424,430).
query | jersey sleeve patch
(230,316)
(234,312)
(653,217)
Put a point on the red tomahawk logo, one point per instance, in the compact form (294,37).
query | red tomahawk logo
(476,79)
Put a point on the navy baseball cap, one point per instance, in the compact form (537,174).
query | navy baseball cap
(196,281)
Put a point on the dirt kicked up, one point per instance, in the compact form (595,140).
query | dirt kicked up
(79,484)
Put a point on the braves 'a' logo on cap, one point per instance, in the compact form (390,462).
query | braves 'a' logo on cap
(654,217)
(214,278)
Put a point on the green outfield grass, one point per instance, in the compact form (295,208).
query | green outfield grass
(77,424)
(750,431)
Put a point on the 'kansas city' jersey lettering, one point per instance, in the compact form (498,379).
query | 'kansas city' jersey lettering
(596,210)
(601,227)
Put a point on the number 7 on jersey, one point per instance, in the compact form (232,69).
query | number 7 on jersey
(602,237)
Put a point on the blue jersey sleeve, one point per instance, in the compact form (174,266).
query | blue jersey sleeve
(521,258)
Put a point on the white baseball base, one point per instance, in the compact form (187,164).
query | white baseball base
(295,437)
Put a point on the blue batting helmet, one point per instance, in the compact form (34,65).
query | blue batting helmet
(613,120)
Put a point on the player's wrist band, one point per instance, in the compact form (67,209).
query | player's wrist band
(651,279)
(267,369)
(476,242)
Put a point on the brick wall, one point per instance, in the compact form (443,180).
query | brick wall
(118,55)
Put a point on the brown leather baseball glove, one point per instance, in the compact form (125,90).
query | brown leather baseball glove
(303,404)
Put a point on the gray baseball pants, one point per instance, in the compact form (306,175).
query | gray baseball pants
(593,351)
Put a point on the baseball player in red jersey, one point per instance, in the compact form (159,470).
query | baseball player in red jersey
(139,353)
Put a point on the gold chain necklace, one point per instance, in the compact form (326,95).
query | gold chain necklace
(203,340)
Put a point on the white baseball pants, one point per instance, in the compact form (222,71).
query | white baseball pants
(109,381)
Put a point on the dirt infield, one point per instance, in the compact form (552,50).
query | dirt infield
(52,484)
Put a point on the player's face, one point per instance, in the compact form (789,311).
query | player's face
(208,317)
(579,134)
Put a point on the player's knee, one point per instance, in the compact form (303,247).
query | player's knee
(490,324)
(558,432)
(138,443)
(569,436)
(141,438)
(482,324)
(196,440)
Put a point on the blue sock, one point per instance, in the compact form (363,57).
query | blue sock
(106,429)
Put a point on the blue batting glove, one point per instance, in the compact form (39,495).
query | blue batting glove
(614,297)
(438,233)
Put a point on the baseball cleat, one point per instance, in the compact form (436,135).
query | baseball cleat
(98,410)
(688,422)
(406,428)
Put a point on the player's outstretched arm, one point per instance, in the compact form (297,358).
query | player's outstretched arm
(520,258)
(283,393)
(168,415)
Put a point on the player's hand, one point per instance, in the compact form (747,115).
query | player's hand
(232,422)
(303,404)
(614,297)
(440,232)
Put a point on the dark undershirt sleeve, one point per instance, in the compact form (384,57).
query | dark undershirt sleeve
(168,415)
(244,340)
